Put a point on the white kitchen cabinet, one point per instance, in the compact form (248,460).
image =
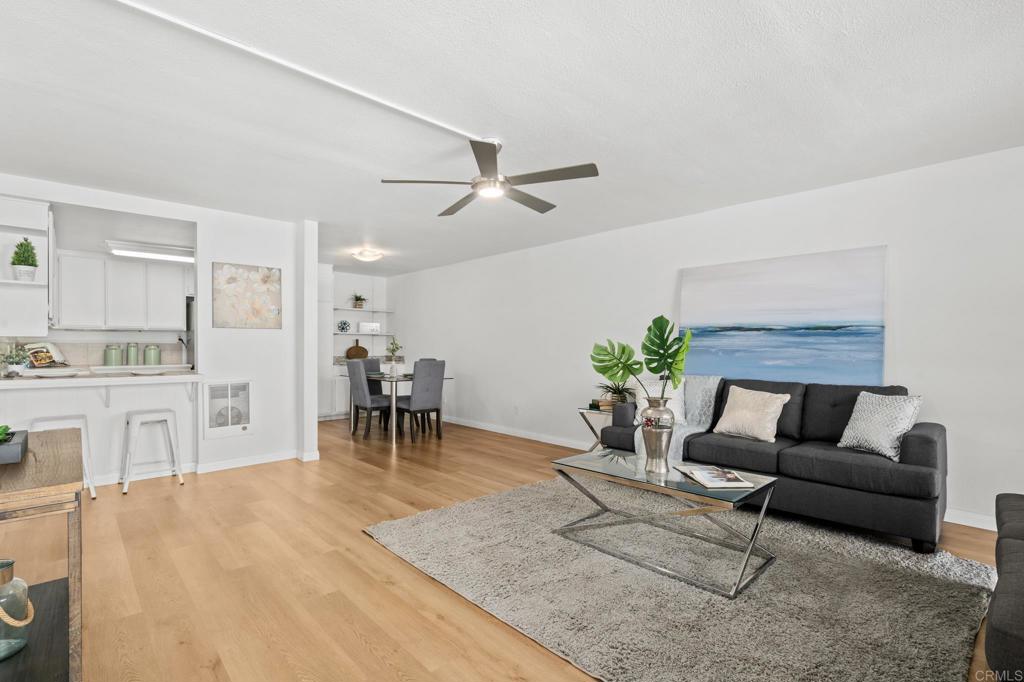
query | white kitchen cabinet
(165,296)
(126,293)
(82,284)
(97,291)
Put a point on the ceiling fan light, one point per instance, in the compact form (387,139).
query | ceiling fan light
(367,255)
(490,189)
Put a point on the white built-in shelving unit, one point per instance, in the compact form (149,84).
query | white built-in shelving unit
(24,306)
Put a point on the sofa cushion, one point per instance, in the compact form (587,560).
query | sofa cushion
(1004,634)
(618,437)
(827,408)
(1010,515)
(789,420)
(740,453)
(827,463)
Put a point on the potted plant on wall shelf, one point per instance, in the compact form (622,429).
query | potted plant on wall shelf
(24,262)
(358,301)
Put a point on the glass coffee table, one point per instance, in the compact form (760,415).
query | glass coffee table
(627,468)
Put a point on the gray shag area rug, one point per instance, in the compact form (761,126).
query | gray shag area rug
(834,606)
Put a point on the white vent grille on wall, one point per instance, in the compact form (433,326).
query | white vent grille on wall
(228,408)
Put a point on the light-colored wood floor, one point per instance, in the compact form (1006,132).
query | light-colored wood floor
(262,573)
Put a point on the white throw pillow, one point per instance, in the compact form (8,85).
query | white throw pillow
(879,422)
(751,414)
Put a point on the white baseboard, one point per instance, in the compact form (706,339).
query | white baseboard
(236,462)
(309,456)
(530,435)
(111,479)
(332,417)
(966,518)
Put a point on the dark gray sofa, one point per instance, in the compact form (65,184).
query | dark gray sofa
(1004,631)
(817,478)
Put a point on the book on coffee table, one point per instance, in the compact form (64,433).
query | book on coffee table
(714,477)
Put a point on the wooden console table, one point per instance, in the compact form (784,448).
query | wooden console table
(49,481)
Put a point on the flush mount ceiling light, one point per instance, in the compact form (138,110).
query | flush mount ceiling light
(367,255)
(178,254)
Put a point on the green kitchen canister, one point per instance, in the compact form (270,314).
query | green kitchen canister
(133,354)
(112,355)
(152,354)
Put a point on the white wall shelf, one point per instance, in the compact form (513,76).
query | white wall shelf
(358,334)
(366,310)
(15,282)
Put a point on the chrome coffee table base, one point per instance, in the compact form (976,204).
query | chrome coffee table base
(745,544)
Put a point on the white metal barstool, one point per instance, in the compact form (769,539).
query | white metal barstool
(68,421)
(133,423)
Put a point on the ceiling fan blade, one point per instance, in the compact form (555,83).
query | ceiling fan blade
(537,204)
(586,170)
(486,154)
(458,205)
(427,182)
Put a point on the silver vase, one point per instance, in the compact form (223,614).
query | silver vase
(656,422)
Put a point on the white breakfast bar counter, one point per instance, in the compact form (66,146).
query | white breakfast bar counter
(105,398)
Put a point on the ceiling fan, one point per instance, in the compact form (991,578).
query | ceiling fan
(490,184)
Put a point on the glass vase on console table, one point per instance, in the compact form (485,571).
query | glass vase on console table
(656,422)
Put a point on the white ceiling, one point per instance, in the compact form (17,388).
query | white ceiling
(684,106)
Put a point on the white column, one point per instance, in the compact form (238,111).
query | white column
(307,366)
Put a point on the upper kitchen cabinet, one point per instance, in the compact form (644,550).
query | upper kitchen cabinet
(165,295)
(24,301)
(127,294)
(81,282)
(106,292)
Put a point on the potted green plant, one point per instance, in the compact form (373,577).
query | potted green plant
(24,262)
(393,348)
(12,444)
(15,359)
(618,391)
(664,351)
(358,301)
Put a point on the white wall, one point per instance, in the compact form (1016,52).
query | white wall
(516,329)
(267,357)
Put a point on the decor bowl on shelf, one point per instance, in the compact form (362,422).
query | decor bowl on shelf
(23,262)
(344,326)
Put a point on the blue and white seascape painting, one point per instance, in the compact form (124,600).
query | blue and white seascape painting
(809,318)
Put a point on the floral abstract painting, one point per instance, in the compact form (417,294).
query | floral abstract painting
(246,296)
(810,318)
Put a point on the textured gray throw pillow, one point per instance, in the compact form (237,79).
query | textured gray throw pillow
(879,422)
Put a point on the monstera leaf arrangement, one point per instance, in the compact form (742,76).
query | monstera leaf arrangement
(664,355)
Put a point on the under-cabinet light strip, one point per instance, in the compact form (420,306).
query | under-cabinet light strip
(291,66)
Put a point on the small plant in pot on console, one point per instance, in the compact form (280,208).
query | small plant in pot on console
(23,262)
(617,391)
(664,354)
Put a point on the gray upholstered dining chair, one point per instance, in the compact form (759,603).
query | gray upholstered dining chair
(372,365)
(425,398)
(363,399)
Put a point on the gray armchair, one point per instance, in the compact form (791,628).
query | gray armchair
(620,434)
(425,398)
